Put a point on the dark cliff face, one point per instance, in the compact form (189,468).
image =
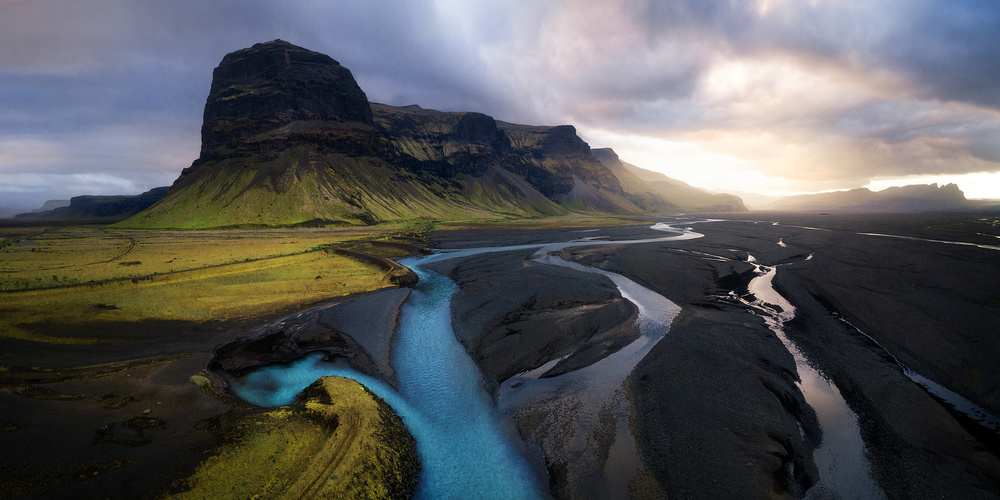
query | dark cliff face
(482,129)
(562,140)
(271,84)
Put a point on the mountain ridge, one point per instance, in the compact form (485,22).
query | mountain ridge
(290,138)
(93,208)
(909,198)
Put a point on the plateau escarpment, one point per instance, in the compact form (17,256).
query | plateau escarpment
(83,209)
(289,138)
(911,198)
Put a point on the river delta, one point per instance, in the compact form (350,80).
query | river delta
(759,356)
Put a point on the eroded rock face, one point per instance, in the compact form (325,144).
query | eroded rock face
(272,84)
(481,129)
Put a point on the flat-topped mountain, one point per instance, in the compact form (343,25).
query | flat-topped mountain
(912,198)
(51,205)
(289,138)
(103,209)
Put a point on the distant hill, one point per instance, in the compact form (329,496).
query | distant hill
(51,205)
(755,201)
(95,208)
(912,198)
(289,138)
(655,192)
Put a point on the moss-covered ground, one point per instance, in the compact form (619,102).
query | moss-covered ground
(337,440)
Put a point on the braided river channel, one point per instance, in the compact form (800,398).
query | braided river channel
(468,444)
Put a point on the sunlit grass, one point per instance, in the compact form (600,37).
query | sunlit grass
(69,255)
(87,276)
(338,441)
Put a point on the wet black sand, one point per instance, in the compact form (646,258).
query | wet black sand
(717,412)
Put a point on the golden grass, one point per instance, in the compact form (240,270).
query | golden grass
(173,276)
(69,255)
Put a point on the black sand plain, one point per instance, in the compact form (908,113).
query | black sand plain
(716,411)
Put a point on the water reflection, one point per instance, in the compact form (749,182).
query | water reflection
(843,467)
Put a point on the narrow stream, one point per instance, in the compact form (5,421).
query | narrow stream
(946,242)
(594,396)
(467,449)
(844,469)
(949,398)
(463,426)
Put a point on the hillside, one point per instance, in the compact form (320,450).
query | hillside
(655,192)
(51,205)
(289,138)
(912,198)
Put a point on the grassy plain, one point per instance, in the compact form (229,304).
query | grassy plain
(75,275)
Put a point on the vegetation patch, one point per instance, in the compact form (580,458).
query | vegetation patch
(337,440)
(78,280)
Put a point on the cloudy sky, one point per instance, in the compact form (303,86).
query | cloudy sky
(770,96)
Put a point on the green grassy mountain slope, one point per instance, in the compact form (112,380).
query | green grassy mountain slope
(301,185)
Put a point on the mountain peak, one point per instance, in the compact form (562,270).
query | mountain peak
(271,84)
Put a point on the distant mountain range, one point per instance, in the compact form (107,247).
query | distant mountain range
(912,198)
(289,138)
(100,209)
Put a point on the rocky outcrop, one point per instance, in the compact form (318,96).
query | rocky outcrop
(272,84)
